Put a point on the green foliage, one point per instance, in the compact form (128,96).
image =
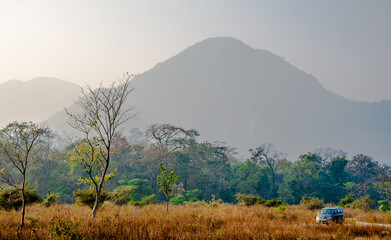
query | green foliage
(384,205)
(249,199)
(50,199)
(364,203)
(141,191)
(273,203)
(90,155)
(177,200)
(193,195)
(250,178)
(344,202)
(12,198)
(87,197)
(135,193)
(165,182)
(281,208)
(63,228)
(122,195)
(144,201)
(311,203)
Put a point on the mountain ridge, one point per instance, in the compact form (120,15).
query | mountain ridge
(231,92)
(36,99)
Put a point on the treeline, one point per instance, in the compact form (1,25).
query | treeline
(211,170)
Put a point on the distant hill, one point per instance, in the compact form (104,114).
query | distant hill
(231,92)
(34,100)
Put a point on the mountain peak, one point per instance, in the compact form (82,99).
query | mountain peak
(244,96)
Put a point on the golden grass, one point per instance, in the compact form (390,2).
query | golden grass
(374,216)
(225,221)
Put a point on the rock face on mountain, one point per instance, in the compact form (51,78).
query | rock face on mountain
(34,100)
(231,92)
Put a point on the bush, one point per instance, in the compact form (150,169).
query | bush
(142,189)
(12,198)
(151,199)
(249,199)
(51,199)
(122,195)
(363,203)
(311,203)
(273,203)
(87,197)
(62,228)
(345,202)
(193,195)
(384,205)
(177,200)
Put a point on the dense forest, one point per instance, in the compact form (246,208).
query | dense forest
(211,170)
(144,167)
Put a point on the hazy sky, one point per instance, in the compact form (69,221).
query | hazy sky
(346,44)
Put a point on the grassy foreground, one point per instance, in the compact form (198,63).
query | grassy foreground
(224,221)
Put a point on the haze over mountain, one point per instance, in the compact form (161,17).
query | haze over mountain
(34,100)
(231,92)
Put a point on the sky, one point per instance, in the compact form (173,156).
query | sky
(345,44)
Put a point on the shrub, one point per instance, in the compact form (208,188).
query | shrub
(363,203)
(273,203)
(62,228)
(193,195)
(384,205)
(87,197)
(151,199)
(12,198)
(122,195)
(177,200)
(345,202)
(141,189)
(311,203)
(249,199)
(51,199)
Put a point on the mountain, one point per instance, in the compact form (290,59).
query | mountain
(34,100)
(231,92)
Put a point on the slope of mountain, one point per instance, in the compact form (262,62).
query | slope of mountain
(231,92)
(34,100)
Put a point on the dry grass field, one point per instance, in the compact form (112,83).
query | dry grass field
(224,221)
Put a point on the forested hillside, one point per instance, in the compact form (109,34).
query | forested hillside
(211,169)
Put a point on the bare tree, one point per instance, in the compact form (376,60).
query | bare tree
(103,112)
(266,153)
(328,154)
(365,169)
(19,148)
(170,137)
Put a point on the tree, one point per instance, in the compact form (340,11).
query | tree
(267,154)
(103,112)
(167,141)
(19,148)
(365,169)
(304,179)
(171,138)
(328,154)
(383,183)
(165,182)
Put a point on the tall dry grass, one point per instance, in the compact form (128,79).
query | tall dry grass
(374,216)
(224,221)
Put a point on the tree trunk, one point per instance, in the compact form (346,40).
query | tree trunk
(20,227)
(167,203)
(96,204)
